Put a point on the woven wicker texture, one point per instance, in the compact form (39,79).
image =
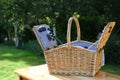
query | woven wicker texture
(77,57)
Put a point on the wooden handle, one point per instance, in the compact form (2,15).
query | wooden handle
(69,30)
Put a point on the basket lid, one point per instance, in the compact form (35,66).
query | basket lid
(45,37)
(105,35)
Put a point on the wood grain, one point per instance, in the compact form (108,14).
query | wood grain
(41,73)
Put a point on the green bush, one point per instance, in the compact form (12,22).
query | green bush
(9,43)
(33,46)
(89,27)
(112,50)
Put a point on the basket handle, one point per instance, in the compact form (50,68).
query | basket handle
(69,30)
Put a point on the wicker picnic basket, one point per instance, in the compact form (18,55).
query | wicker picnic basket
(77,57)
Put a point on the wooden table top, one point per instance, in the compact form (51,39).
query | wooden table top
(41,73)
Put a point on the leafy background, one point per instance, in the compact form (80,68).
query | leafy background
(93,15)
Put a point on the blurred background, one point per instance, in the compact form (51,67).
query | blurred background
(17,18)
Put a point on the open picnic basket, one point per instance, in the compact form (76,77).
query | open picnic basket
(77,57)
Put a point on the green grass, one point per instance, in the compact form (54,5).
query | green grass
(12,58)
(114,69)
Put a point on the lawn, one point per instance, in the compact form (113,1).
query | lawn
(114,69)
(12,58)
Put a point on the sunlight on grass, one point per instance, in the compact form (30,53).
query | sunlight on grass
(12,58)
(7,54)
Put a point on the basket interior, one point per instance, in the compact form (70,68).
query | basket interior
(84,45)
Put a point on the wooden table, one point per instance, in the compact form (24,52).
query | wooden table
(41,73)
